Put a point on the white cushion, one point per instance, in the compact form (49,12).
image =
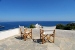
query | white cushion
(22,28)
(49,28)
(48,32)
(27,31)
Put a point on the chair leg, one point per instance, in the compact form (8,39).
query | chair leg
(25,37)
(31,35)
(53,38)
(40,36)
(42,40)
(49,38)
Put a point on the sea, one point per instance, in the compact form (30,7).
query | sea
(12,25)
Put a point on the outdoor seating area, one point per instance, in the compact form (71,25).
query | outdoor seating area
(45,33)
(37,39)
(27,39)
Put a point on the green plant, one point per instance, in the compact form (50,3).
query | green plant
(69,26)
(60,26)
(32,26)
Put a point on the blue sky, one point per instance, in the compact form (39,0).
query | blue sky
(37,10)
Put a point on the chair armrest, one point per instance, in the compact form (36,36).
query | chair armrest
(41,31)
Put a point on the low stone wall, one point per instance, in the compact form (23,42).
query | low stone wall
(8,33)
(65,39)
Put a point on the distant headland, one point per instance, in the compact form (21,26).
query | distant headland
(1,26)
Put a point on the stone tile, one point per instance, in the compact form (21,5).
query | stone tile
(3,45)
(1,48)
(53,48)
(73,47)
(57,41)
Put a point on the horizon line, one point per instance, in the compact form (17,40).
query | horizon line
(23,21)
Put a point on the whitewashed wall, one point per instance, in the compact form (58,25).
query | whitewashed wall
(8,33)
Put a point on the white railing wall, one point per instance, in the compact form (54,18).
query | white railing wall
(8,33)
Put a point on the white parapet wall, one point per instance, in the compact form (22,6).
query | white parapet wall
(65,39)
(8,33)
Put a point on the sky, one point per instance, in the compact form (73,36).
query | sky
(37,10)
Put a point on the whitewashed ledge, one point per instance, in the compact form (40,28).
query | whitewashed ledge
(8,33)
(11,32)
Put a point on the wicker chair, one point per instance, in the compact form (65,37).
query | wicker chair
(21,31)
(46,33)
(28,33)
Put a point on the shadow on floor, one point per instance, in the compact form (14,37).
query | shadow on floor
(40,41)
(18,37)
(37,41)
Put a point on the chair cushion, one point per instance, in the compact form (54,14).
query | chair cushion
(27,31)
(48,32)
(22,28)
(49,28)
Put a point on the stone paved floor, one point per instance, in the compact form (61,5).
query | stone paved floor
(15,43)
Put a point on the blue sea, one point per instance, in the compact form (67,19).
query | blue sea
(12,25)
